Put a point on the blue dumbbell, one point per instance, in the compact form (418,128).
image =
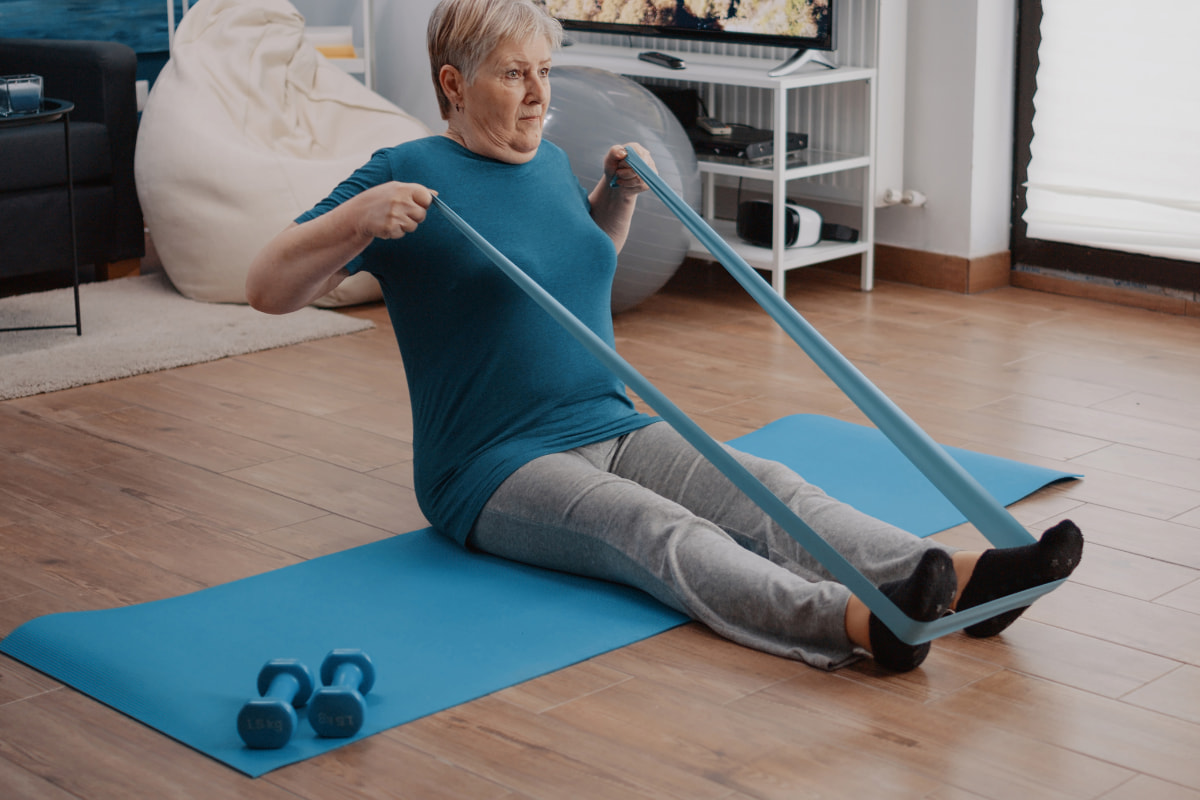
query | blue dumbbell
(267,722)
(338,707)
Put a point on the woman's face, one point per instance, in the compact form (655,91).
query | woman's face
(503,109)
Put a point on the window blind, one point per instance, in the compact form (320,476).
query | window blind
(1115,155)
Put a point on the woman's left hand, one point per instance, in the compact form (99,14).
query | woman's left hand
(615,196)
(619,174)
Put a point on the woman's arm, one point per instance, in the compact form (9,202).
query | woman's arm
(612,206)
(306,261)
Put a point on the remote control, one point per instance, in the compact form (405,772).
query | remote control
(714,126)
(662,59)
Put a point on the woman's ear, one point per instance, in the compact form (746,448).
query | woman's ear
(452,84)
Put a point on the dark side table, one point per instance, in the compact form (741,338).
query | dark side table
(54,111)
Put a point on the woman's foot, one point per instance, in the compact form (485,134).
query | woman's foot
(925,595)
(1002,572)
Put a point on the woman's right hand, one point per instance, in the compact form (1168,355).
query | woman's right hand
(390,210)
(306,261)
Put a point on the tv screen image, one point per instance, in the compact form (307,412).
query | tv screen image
(806,24)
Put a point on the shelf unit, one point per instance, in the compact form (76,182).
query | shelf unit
(723,70)
(364,62)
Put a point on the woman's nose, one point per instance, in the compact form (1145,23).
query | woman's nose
(537,90)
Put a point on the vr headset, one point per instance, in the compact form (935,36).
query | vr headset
(801,226)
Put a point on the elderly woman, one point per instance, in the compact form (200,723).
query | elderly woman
(525,446)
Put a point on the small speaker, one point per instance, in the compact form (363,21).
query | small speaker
(802,226)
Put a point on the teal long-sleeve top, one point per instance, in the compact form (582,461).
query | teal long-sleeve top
(494,381)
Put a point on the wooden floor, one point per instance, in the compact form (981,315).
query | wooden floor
(158,485)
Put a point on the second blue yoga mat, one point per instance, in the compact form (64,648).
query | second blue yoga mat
(859,466)
(443,626)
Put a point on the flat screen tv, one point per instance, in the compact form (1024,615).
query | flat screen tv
(806,25)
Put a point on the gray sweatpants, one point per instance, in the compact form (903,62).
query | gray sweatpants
(647,510)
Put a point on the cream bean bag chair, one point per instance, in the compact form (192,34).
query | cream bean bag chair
(246,128)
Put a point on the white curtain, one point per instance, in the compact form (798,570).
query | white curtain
(1115,157)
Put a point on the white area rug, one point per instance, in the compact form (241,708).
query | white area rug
(135,325)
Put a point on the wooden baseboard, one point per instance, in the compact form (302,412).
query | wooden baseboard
(1119,295)
(938,271)
(968,276)
(971,275)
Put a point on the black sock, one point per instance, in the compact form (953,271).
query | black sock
(1005,571)
(924,595)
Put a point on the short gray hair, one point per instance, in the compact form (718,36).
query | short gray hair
(463,33)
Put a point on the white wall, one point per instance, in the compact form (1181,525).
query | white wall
(995,100)
(958,128)
(402,62)
(958,112)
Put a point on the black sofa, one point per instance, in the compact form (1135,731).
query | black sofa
(100,79)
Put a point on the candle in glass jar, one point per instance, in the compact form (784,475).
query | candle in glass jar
(24,93)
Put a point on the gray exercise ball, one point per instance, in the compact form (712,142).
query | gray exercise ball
(593,109)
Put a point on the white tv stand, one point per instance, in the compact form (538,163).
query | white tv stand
(715,70)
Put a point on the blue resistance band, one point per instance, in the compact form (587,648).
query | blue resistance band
(903,626)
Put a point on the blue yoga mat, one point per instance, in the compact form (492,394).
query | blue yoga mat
(860,466)
(442,625)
